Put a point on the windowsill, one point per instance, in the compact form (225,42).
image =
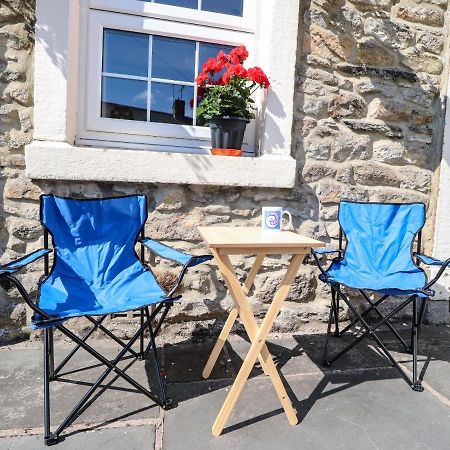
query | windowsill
(61,161)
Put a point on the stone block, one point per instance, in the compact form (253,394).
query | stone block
(389,110)
(369,71)
(371,5)
(390,152)
(23,228)
(397,195)
(430,41)
(374,174)
(417,179)
(425,14)
(347,18)
(318,150)
(422,62)
(347,145)
(347,105)
(368,126)
(393,35)
(329,191)
(314,171)
(369,52)
(19,188)
(323,43)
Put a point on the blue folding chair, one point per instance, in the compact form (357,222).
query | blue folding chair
(96,272)
(379,257)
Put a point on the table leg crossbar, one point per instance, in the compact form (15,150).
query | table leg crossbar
(257,334)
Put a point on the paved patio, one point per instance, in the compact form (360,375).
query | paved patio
(360,403)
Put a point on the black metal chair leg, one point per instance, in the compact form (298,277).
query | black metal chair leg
(167,401)
(423,308)
(325,361)
(49,438)
(141,339)
(416,385)
(51,354)
(335,301)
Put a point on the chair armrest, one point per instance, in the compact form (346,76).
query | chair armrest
(170,254)
(16,265)
(429,260)
(324,251)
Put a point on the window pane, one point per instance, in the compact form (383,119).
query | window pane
(124,99)
(231,7)
(183,3)
(125,53)
(171,103)
(173,59)
(210,51)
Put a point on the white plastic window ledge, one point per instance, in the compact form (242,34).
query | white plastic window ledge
(53,160)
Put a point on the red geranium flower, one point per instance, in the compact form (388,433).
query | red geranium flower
(238,55)
(238,71)
(222,57)
(209,65)
(191,103)
(257,75)
(218,66)
(225,78)
(202,79)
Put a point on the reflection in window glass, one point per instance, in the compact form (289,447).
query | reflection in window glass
(129,78)
(184,3)
(210,51)
(125,53)
(230,7)
(173,59)
(171,103)
(124,99)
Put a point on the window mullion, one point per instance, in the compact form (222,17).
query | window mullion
(149,75)
(197,56)
(199,5)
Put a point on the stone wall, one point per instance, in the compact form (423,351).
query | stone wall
(368,124)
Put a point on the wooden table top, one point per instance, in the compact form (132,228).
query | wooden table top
(254,237)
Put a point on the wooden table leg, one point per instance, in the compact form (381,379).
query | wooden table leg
(220,342)
(258,337)
(253,271)
(231,319)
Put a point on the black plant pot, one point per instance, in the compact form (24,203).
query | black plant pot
(227,132)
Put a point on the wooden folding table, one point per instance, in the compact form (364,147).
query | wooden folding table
(226,241)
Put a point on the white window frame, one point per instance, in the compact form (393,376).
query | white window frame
(55,153)
(93,126)
(187,15)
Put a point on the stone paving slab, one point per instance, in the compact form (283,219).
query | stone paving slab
(135,438)
(373,409)
(358,403)
(185,362)
(21,391)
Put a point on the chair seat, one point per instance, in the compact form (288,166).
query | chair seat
(63,296)
(393,283)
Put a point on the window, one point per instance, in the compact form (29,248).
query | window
(231,7)
(142,60)
(155,81)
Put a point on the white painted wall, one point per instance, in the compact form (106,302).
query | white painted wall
(56,70)
(276,46)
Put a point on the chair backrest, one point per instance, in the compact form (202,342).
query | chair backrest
(94,239)
(380,239)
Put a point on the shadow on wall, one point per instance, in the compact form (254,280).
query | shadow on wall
(368,119)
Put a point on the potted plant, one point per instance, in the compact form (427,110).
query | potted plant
(224,102)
